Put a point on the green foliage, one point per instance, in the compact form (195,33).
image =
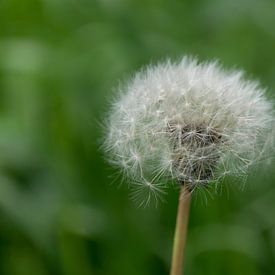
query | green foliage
(60,214)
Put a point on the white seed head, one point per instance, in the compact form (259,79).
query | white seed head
(188,122)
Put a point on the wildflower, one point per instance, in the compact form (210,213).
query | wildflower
(188,122)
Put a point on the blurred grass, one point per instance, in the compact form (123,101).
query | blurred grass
(59,62)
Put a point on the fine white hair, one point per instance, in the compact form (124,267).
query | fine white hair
(188,122)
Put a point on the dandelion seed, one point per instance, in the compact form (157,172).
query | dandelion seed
(193,122)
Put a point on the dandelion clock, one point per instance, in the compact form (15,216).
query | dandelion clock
(186,122)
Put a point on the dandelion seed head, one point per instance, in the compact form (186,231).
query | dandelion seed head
(189,122)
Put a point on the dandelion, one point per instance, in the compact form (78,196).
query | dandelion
(191,123)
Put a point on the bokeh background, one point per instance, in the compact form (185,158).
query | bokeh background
(60,212)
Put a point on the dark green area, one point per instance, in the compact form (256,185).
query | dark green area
(59,212)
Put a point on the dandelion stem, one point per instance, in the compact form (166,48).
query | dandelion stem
(181,232)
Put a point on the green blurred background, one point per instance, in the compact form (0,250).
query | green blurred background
(59,211)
